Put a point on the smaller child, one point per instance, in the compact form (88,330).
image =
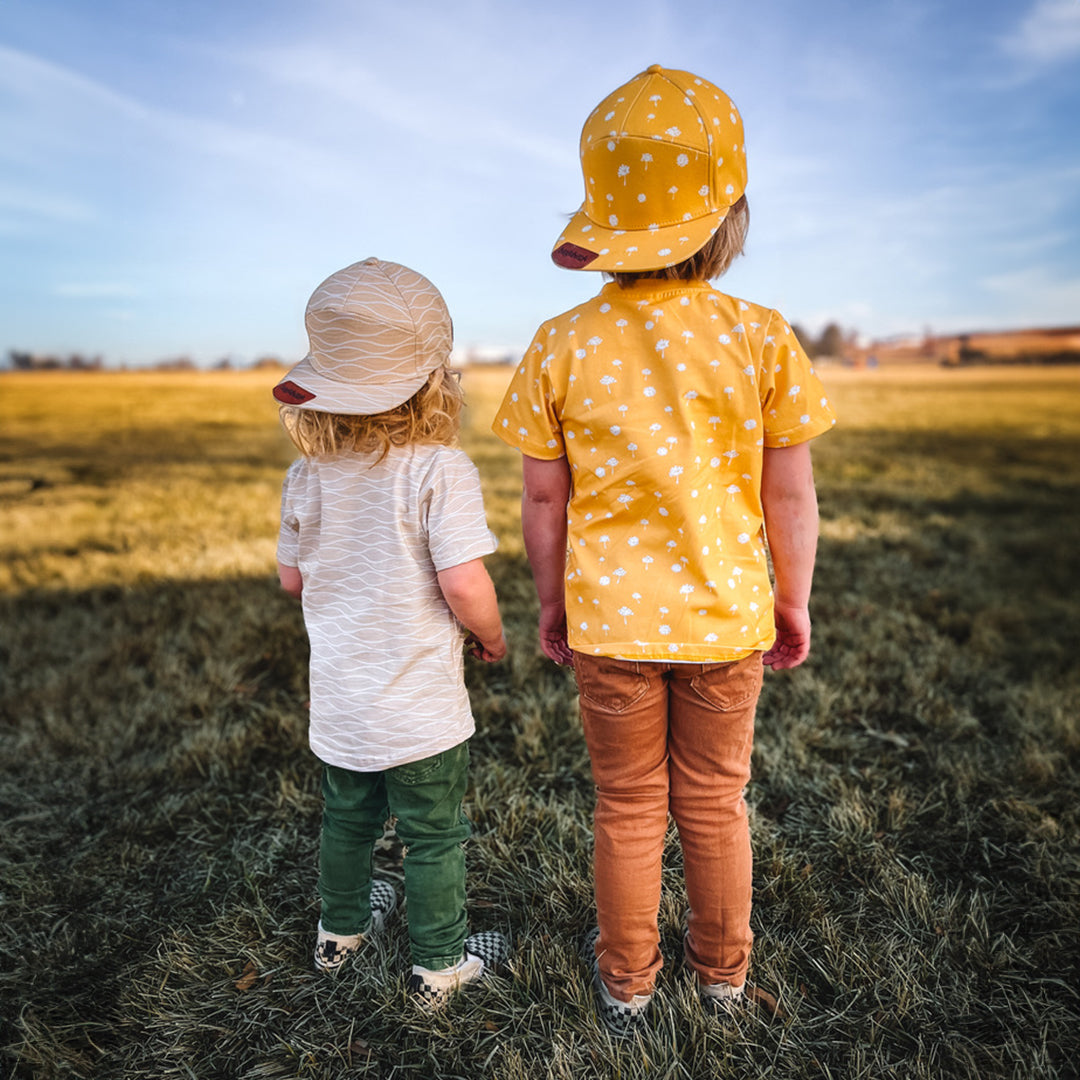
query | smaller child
(382,538)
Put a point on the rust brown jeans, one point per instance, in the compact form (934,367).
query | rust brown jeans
(670,737)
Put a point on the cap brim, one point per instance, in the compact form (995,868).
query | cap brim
(584,245)
(306,388)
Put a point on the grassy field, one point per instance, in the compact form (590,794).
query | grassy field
(914,808)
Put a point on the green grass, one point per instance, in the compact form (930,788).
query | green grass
(914,807)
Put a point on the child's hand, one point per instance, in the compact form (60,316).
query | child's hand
(792,644)
(490,652)
(553,634)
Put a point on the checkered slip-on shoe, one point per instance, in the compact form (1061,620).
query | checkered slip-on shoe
(621,1018)
(332,950)
(485,954)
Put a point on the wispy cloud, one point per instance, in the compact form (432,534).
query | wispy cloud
(96,290)
(438,119)
(1048,33)
(63,109)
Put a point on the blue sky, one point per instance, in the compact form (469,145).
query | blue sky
(176,176)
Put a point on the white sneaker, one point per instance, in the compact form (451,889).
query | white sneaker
(485,953)
(621,1018)
(332,950)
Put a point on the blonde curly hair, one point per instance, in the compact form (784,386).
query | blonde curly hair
(431,415)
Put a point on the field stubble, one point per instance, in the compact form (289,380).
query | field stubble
(914,808)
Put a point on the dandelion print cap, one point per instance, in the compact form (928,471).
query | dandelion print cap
(376,331)
(663,161)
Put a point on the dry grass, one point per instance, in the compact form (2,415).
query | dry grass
(914,805)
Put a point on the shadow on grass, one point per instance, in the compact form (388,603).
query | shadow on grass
(914,822)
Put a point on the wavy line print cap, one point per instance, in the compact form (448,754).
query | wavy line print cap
(376,331)
(663,162)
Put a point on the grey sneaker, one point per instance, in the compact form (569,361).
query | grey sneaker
(485,954)
(724,1000)
(332,950)
(621,1018)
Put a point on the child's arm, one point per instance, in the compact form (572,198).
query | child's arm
(791,525)
(546,491)
(471,596)
(290,579)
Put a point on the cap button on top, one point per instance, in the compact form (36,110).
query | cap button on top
(654,69)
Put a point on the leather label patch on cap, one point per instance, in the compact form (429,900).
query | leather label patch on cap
(572,257)
(291,394)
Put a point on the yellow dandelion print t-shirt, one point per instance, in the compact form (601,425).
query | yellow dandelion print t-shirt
(662,396)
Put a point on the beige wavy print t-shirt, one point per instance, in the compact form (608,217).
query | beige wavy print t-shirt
(387,683)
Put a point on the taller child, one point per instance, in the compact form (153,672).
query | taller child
(664,428)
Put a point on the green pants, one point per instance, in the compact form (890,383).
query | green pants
(425,797)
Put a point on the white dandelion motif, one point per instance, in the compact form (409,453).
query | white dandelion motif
(665,629)
(624,171)
(621,323)
(724,339)
(687,335)
(605,580)
(625,612)
(743,538)
(633,541)
(749,424)
(611,462)
(730,391)
(607,380)
(619,573)
(676,471)
(738,328)
(654,428)
(690,395)
(645,160)
(604,541)
(674,132)
(595,342)
(662,451)
(632,447)
(647,560)
(710,638)
(661,345)
(626,500)
(733,489)
(686,590)
(794,391)
(580,354)
(649,391)
(646,372)
(614,429)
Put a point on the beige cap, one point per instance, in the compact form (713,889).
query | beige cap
(376,331)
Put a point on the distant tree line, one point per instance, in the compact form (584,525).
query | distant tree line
(832,341)
(27,361)
(20,360)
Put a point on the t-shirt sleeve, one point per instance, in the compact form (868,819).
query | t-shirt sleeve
(794,404)
(454,512)
(288,545)
(527,418)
